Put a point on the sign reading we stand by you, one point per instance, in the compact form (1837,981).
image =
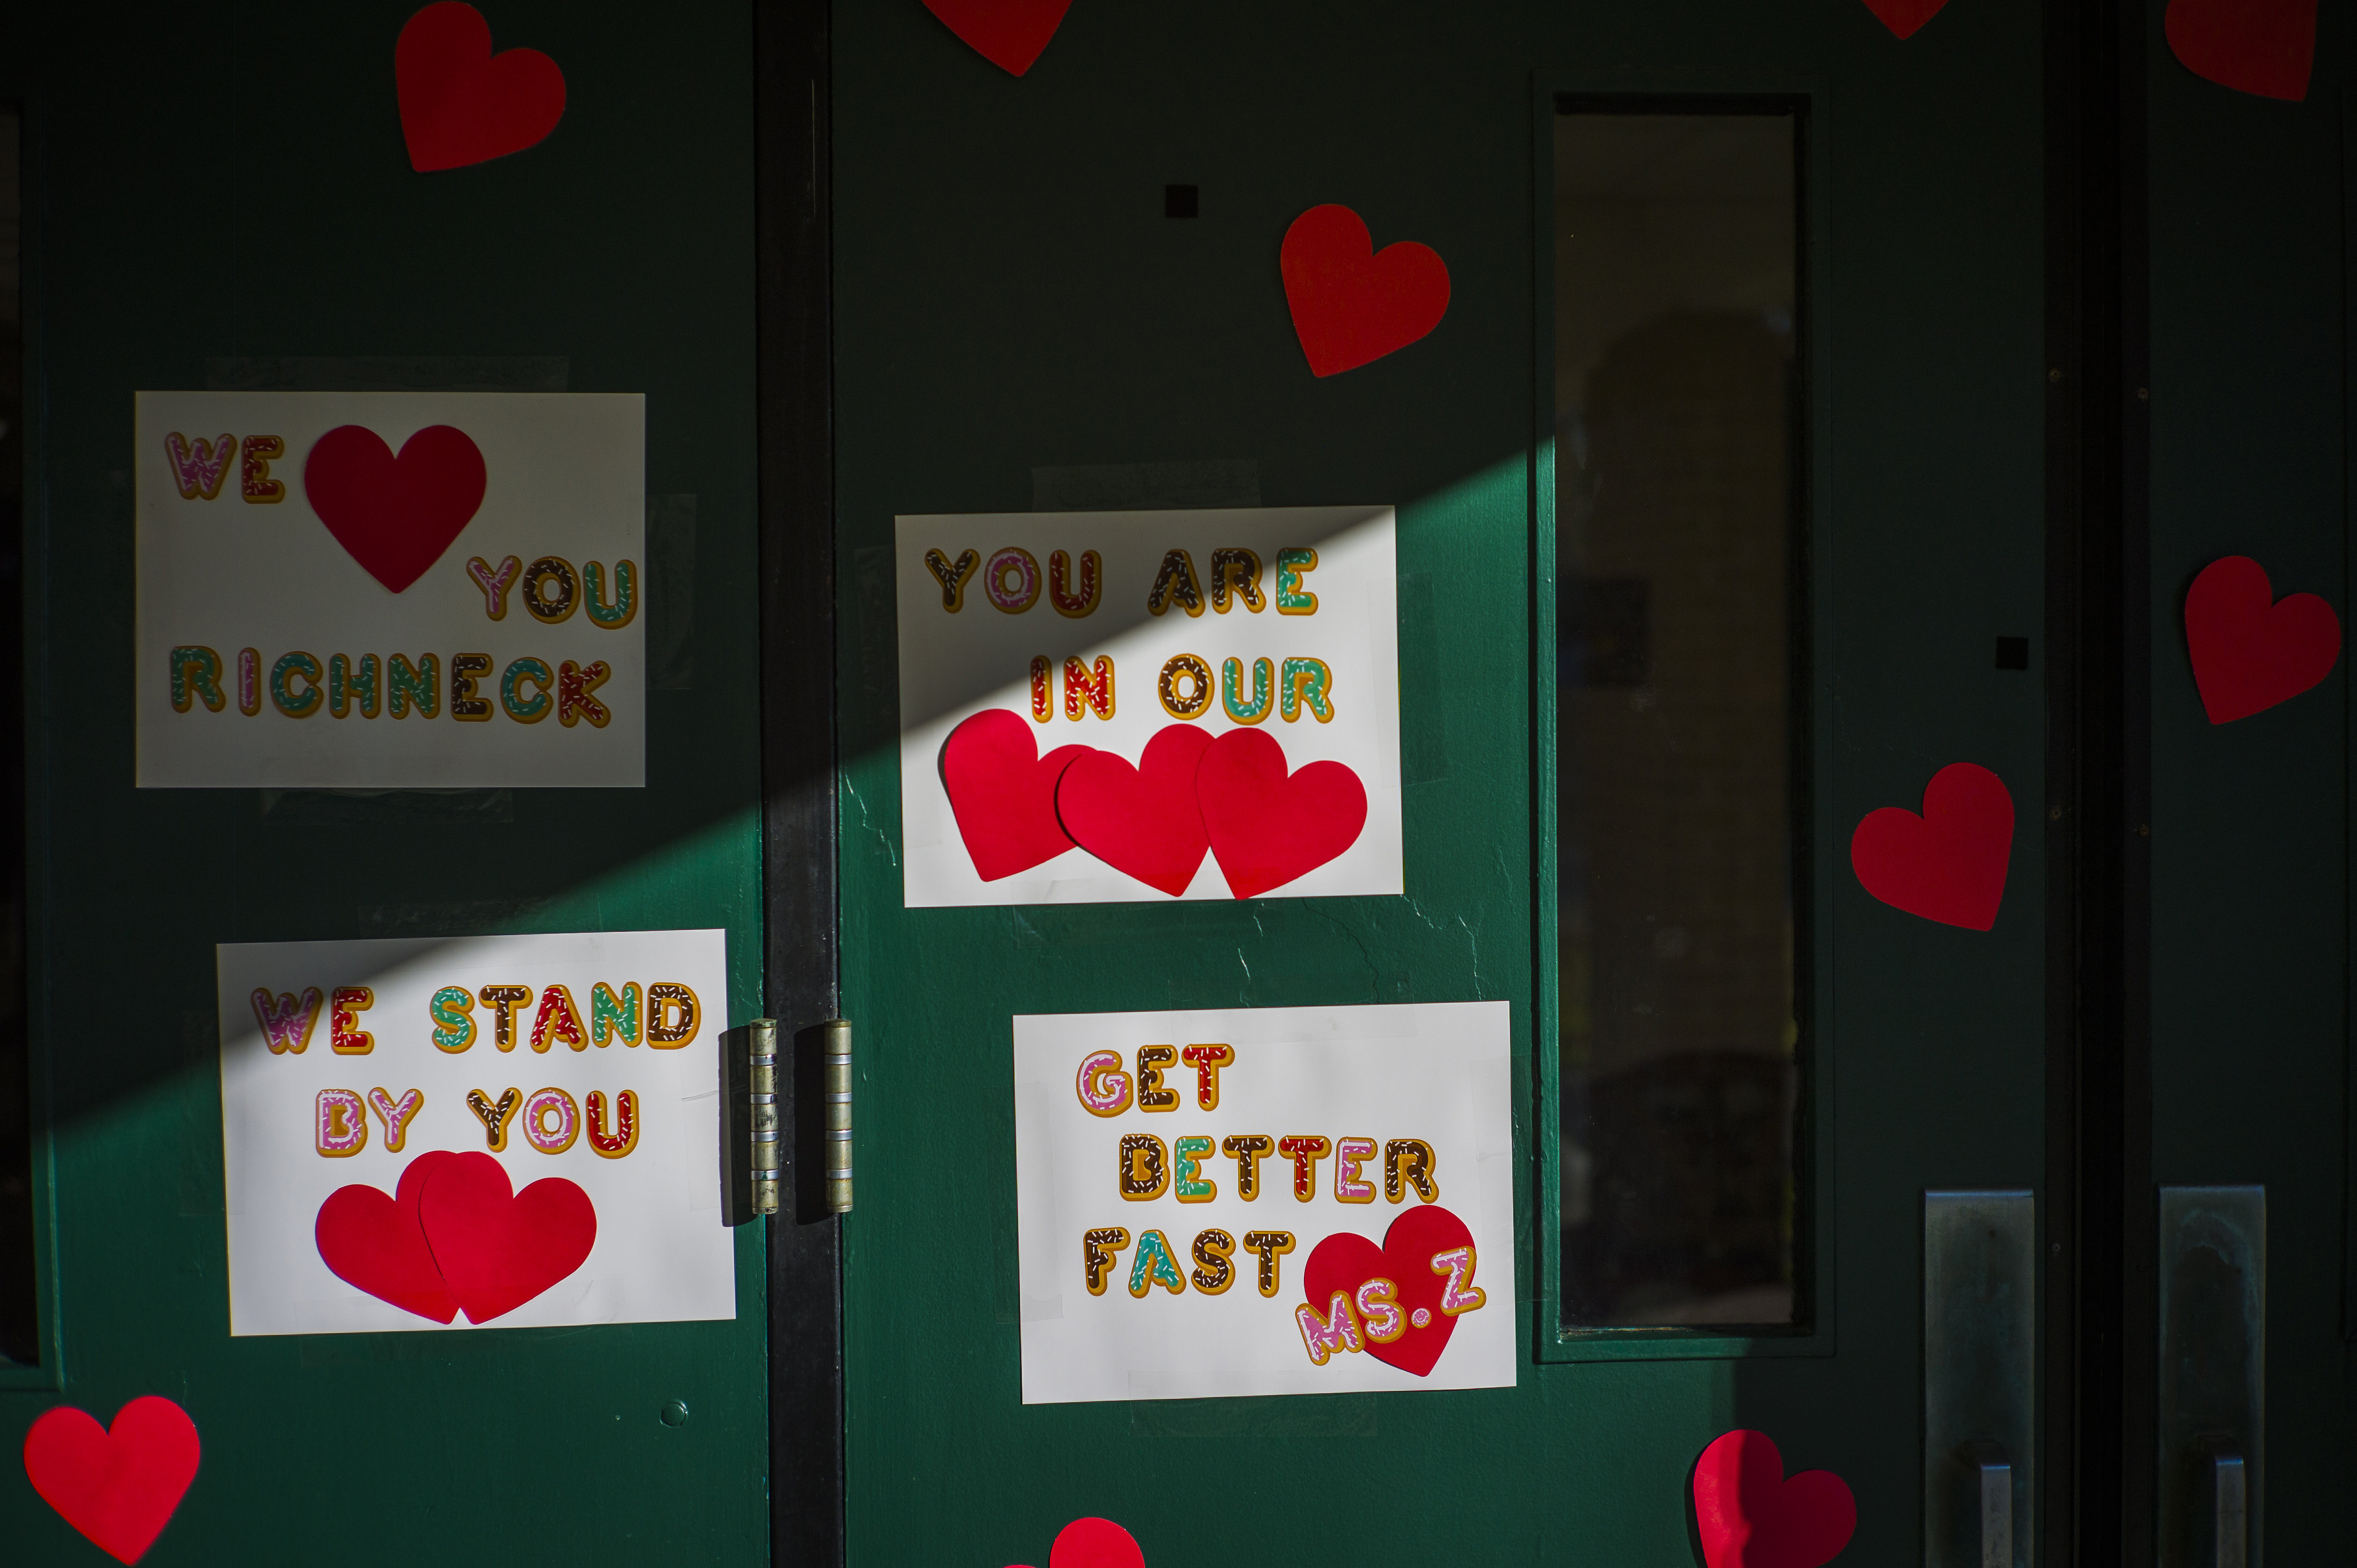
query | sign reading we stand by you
(522,1131)
(1267,1200)
(391,589)
(1099,707)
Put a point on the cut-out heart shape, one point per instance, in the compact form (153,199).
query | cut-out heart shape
(1009,34)
(1949,864)
(2249,651)
(1144,820)
(395,516)
(117,1485)
(1904,16)
(1350,303)
(1267,828)
(2266,48)
(1345,1260)
(462,105)
(1094,1543)
(497,1249)
(378,1243)
(1749,1515)
(1002,792)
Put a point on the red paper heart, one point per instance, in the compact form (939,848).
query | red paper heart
(1002,792)
(2262,47)
(395,516)
(378,1244)
(1351,304)
(2249,651)
(1345,1260)
(462,105)
(1903,16)
(1267,828)
(498,1249)
(116,1485)
(1144,820)
(1009,34)
(1094,1543)
(1949,864)
(1749,1516)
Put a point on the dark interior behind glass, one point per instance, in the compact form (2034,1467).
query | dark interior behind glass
(19,1331)
(1677,408)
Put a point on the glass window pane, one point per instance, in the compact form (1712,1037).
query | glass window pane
(1676,245)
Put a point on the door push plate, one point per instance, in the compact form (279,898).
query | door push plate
(2211,1404)
(1980,1379)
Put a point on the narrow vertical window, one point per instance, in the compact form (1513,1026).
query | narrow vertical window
(19,1339)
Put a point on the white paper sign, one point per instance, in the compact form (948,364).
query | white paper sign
(391,589)
(1277,1200)
(520,1130)
(1137,705)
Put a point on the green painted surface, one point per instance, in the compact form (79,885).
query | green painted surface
(1010,295)
(221,181)
(2250,957)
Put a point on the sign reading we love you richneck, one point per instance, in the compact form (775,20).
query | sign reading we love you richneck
(391,589)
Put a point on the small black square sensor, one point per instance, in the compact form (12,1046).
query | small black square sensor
(1178,202)
(2013,653)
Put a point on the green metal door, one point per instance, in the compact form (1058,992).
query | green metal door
(1063,290)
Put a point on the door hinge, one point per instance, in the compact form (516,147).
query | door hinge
(753,1102)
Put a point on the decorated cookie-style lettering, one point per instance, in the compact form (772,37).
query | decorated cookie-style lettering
(1145,1167)
(1264,697)
(1410,1162)
(467,703)
(1460,1293)
(1207,1061)
(612,1141)
(1305,1150)
(672,1014)
(495,1114)
(199,465)
(503,1000)
(549,591)
(420,684)
(1235,576)
(1268,1246)
(1292,565)
(1379,1311)
(1103,1087)
(1306,682)
(344,1035)
(286,1020)
(557,1019)
(396,1114)
(575,682)
(1330,1335)
(1189,700)
(249,681)
(255,482)
(551,1121)
(1246,1149)
(613,1017)
(345,684)
(1215,1268)
(952,575)
(495,581)
(519,674)
(452,1008)
(624,606)
(1175,583)
(343,1123)
(1093,689)
(1153,1265)
(1188,1184)
(1152,1062)
(1071,604)
(1097,1249)
(1349,1155)
(1011,581)
(1043,689)
(196,672)
(291,668)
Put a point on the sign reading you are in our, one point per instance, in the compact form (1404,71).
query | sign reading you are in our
(391,589)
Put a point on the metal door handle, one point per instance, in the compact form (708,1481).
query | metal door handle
(2230,1499)
(1995,1473)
